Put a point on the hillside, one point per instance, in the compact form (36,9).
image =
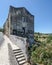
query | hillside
(42,37)
(42,54)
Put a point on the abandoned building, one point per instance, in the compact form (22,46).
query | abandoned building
(18,37)
(19,22)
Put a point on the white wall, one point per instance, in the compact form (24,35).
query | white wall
(20,42)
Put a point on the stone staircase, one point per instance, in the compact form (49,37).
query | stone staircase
(19,42)
(19,56)
(19,49)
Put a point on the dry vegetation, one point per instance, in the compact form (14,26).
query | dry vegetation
(42,55)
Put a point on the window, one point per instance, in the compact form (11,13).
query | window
(23,19)
(17,12)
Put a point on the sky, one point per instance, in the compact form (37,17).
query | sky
(41,9)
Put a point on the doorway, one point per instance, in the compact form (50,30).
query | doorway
(14,32)
(23,29)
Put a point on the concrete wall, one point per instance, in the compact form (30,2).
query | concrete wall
(20,42)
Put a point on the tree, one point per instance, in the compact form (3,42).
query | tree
(1,30)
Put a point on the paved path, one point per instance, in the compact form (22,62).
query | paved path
(6,55)
(4,58)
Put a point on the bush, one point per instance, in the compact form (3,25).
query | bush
(49,38)
(1,30)
(42,54)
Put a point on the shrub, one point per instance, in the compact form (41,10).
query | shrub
(42,54)
(49,38)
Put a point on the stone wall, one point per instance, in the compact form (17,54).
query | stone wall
(20,18)
(20,22)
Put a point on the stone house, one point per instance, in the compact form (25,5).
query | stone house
(19,22)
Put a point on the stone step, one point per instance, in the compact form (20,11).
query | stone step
(22,62)
(16,49)
(20,56)
(20,59)
(18,53)
(26,63)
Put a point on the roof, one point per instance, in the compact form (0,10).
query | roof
(21,8)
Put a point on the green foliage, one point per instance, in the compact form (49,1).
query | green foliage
(42,54)
(1,30)
(34,47)
(49,39)
(43,37)
(36,37)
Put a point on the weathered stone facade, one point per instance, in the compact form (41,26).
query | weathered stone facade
(19,22)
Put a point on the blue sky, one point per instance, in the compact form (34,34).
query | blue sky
(41,9)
